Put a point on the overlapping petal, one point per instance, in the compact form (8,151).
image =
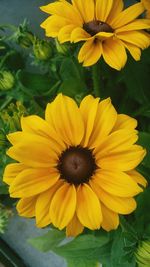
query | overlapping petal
(63,205)
(110,219)
(26,206)
(74,228)
(88,207)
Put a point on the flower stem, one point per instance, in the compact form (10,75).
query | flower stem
(96,79)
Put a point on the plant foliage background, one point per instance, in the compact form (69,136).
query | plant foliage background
(32,72)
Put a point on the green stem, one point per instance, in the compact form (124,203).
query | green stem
(96,79)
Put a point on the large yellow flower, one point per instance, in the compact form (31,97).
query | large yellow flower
(76,168)
(103,25)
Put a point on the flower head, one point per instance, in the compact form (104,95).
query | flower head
(76,168)
(105,28)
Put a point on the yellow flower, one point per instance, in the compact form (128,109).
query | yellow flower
(76,168)
(104,26)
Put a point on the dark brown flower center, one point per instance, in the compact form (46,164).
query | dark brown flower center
(95,26)
(76,165)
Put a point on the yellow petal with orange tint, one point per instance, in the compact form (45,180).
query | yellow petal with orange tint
(11,171)
(65,33)
(90,52)
(114,53)
(117,7)
(89,115)
(124,122)
(26,206)
(137,177)
(85,8)
(120,205)
(63,206)
(79,34)
(31,182)
(110,219)
(137,38)
(127,15)
(43,205)
(104,122)
(103,9)
(66,119)
(123,161)
(116,183)
(33,150)
(88,207)
(74,228)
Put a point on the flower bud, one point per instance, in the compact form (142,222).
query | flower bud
(7,80)
(42,50)
(4,217)
(61,48)
(25,39)
(143,254)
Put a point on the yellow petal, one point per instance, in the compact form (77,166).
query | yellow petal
(79,34)
(74,228)
(117,7)
(123,161)
(88,208)
(133,50)
(66,118)
(120,205)
(104,122)
(124,122)
(63,206)
(137,177)
(90,52)
(110,219)
(114,53)
(43,205)
(26,207)
(86,9)
(34,150)
(104,35)
(65,33)
(117,141)
(127,15)
(103,9)
(137,38)
(88,115)
(54,24)
(31,182)
(138,24)
(64,10)
(11,171)
(116,183)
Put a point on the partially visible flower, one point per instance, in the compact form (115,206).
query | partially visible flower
(7,80)
(143,254)
(42,49)
(104,26)
(76,168)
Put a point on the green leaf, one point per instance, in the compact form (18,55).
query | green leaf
(135,75)
(82,263)
(84,247)
(34,83)
(144,140)
(48,241)
(72,76)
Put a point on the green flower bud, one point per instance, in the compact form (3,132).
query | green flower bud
(42,50)
(25,39)
(4,217)
(7,80)
(61,48)
(143,254)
